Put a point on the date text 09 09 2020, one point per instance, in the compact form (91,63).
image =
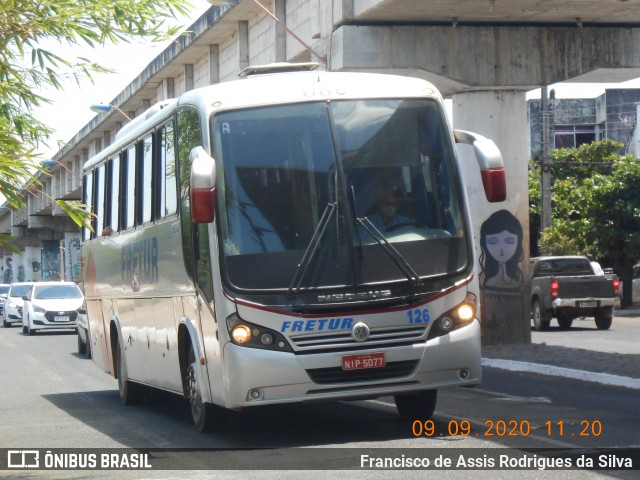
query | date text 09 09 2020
(507,428)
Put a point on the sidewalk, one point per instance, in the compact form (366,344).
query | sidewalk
(590,365)
(569,358)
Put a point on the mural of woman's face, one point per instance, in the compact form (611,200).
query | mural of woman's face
(502,246)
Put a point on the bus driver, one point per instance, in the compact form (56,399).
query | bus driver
(386,217)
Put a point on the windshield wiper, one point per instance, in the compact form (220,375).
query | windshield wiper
(395,255)
(311,249)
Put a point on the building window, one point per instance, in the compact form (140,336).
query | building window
(572,136)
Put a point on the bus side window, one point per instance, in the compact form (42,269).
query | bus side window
(99,206)
(145,199)
(197,255)
(113,202)
(168,201)
(88,200)
(130,188)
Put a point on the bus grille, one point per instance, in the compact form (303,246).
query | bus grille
(338,375)
(343,340)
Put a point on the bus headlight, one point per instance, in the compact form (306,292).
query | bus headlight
(254,336)
(466,312)
(241,334)
(459,316)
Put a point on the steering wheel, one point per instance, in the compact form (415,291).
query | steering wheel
(405,224)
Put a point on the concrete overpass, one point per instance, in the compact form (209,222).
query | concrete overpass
(484,54)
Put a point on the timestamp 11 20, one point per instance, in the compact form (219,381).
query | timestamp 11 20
(578,428)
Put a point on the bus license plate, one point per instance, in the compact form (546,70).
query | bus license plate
(365,360)
(61,318)
(592,304)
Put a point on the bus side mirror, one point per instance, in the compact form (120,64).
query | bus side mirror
(202,185)
(491,164)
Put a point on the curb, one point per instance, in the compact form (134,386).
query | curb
(603,378)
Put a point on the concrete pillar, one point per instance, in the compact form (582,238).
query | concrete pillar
(214,64)
(97,145)
(501,116)
(243,45)
(280,43)
(168,90)
(188,77)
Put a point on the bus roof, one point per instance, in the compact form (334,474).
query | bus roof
(277,86)
(305,86)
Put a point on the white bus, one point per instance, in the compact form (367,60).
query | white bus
(292,236)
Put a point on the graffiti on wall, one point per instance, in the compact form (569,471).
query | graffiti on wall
(501,272)
(72,258)
(51,267)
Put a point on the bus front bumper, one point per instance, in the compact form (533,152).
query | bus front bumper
(261,377)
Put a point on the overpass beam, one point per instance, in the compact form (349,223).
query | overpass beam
(483,57)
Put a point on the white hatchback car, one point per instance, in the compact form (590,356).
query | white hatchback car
(51,306)
(13,303)
(4,289)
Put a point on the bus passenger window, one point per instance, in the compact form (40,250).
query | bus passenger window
(146,176)
(114,200)
(130,188)
(88,200)
(99,206)
(168,187)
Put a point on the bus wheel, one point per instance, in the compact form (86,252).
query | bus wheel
(206,417)
(417,406)
(130,392)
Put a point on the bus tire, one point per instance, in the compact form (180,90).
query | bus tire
(418,405)
(206,417)
(130,392)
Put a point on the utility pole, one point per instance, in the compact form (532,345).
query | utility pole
(546,168)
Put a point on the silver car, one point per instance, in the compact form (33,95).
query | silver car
(51,306)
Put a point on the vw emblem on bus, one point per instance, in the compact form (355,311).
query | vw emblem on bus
(360,332)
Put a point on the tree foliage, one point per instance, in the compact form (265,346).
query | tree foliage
(595,206)
(26,68)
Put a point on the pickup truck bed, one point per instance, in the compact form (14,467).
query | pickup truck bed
(566,287)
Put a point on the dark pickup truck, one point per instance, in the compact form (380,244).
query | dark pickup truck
(566,287)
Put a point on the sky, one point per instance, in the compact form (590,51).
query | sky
(70,107)
(69,110)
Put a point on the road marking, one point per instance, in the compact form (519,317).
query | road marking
(513,398)
(604,378)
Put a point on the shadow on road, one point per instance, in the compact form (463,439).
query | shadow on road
(164,420)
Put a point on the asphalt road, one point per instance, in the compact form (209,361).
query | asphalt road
(52,398)
(622,337)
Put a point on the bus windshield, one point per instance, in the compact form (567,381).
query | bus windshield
(365,191)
